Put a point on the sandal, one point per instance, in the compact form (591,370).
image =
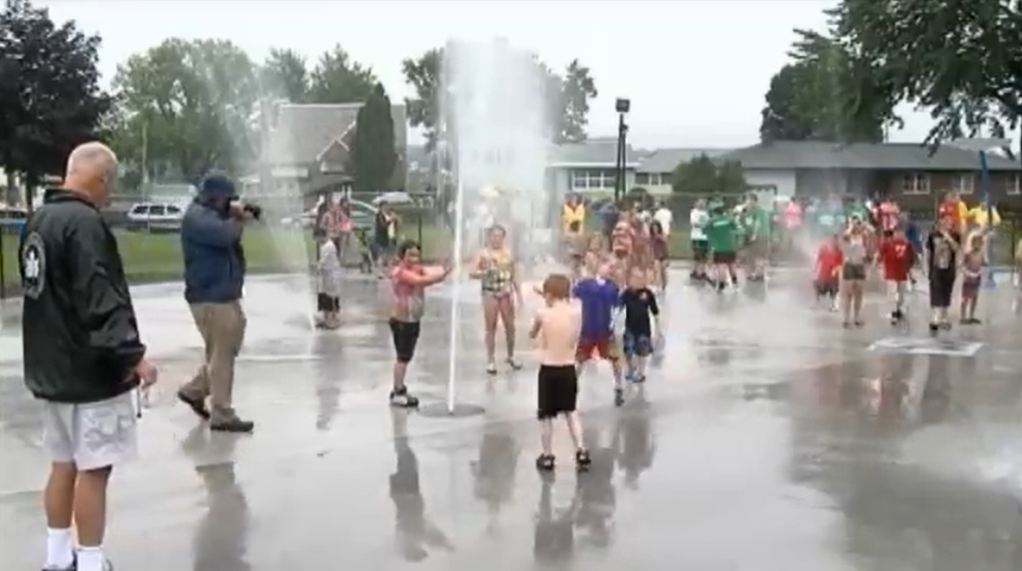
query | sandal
(491,369)
(582,459)
(545,462)
(515,365)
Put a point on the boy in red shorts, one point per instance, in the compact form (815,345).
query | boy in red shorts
(599,297)
(897,256)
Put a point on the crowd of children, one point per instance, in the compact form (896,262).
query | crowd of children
(606,306)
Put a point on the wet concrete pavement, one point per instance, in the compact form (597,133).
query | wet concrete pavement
(766,438)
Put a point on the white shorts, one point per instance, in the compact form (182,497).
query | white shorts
(91,436)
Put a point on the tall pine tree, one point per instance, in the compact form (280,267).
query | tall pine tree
(373,157)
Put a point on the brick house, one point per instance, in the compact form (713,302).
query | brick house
(309,146)
(907,171)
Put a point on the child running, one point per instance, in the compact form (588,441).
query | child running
(897,256)
(829,261)
(721,236)
(973,261)
(639,303)
(556,330)
(599,298)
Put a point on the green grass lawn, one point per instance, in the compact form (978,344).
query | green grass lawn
(152,257)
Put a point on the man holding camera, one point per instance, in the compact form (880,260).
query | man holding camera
(214,277)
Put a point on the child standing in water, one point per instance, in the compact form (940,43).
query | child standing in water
(639,303)
(973,261)
(599,297)
(329,285)
(829,260)
(409,278)
(897,256)
(556,329)
(942,251)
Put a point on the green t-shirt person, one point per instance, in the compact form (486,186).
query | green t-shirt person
(721,232)
(764,222)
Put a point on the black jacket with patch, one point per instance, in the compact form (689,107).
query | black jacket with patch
(80,335)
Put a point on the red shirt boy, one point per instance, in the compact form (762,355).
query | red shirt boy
(828,261)
(897,256)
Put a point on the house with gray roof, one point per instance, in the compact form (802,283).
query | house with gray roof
(657,167)
(309,145)
(908,171)
(588,167)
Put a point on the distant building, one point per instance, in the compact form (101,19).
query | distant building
(907,171)
(656,169)
(309,147)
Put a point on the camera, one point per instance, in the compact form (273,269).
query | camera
(254,209)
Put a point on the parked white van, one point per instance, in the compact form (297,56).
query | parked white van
(158,216)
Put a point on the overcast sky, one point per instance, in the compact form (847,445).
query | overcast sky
(696,71)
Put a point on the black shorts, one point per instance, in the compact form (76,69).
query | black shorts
(406,337)
(826,288)
(700,250)
(942,284)
(558,390)
(724,258)
(327,303)
(855,272)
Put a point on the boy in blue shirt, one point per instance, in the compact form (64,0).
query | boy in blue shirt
(599,297)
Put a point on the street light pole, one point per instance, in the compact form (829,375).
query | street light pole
(622,106)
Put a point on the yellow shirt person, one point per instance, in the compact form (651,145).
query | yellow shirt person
(573,211)
(978,216)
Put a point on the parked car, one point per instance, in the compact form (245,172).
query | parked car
(156,216)
(12,220)
(362,215)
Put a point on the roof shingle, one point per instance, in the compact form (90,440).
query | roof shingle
(893,156)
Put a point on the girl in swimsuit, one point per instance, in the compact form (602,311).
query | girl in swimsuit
(495,269)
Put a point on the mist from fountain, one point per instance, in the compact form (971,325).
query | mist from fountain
(282,224)
(496,128)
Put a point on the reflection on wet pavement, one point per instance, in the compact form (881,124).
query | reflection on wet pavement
(766,438)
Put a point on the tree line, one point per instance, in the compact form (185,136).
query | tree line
(185,107)
(960,61)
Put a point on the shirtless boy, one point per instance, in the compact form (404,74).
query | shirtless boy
(556,330)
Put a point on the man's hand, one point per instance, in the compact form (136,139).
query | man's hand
(239,212)
(146,373)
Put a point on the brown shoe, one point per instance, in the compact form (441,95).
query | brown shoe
(228,421)
(197,405)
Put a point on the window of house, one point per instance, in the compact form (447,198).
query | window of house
(1015,185)
(916,183)
(601,179)
(652,179)
(963,183)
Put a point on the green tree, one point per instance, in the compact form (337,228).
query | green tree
(569,95)
(50,100)
(373,157)
(827,94)
(189,106)
(962,60)
(782,118)
(576,89)
(339,79)
(285,75)
(702,175)
(731,177)
(423,74)
(698,175)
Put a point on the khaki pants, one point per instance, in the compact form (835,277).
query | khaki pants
(222,326)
